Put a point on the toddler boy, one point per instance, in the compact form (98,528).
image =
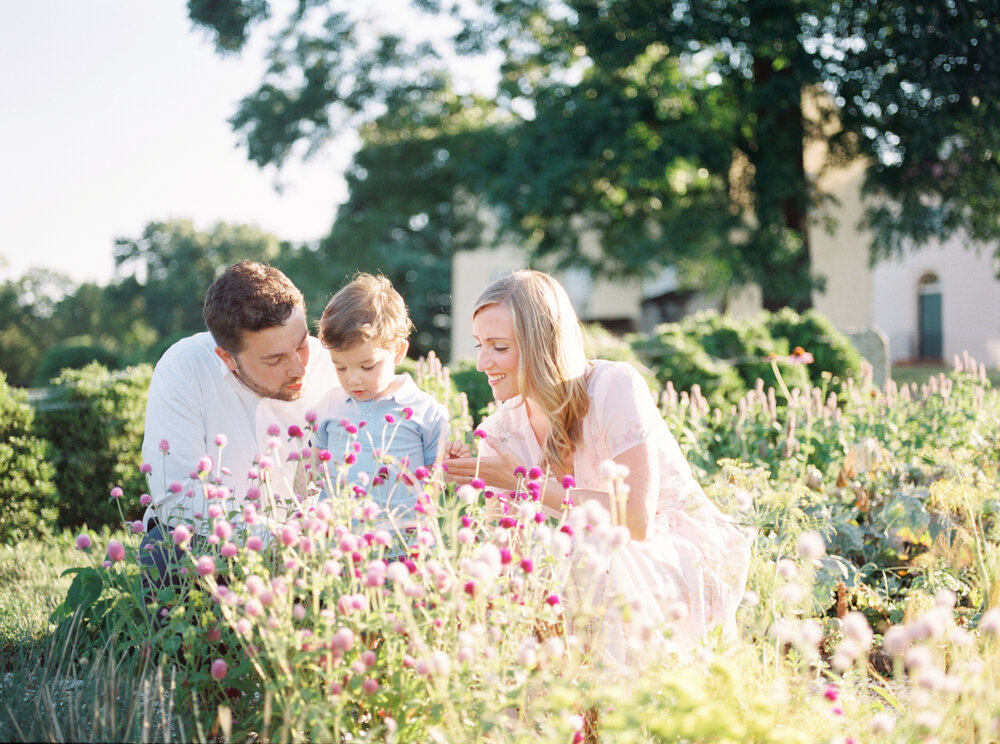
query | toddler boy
(398,426)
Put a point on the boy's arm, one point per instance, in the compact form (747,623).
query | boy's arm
(435,435)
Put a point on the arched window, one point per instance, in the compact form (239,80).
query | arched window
(929,317)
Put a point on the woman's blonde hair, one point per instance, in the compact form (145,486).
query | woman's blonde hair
(552,366)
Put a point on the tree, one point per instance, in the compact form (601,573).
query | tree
(29,321)
(161,276)
(674,129)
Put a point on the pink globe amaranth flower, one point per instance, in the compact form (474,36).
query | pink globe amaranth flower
(831,693)
(220,440)
(520,471)
(83,541)
(407,413)
(165,446)
(568,481)
(219,669)
(479,434)
(175,487)
(535,472)
(552,599)
(223,530)
(273,430)
(116,551)
(422,473)
(253,493)
(117,492)
(390,419)
(478,483)
(527,565)
(137,527)
(205,565)
(324,455)
(295,431)
(369,686)
(205,464)
(145,499)
(505,556)
(255,544)
(181,534)
(145,468)
(229,550)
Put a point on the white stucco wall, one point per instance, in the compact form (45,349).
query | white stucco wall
(970,301)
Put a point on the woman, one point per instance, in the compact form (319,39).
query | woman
(686,562)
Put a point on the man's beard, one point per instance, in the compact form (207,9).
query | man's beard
(281,393)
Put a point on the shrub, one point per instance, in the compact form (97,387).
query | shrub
(27,491)
(474,384)
(813,331)
(74,356)
(725,355)
(679,359)
(94,419)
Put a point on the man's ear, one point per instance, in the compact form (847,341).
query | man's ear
(401,350)
(228,358)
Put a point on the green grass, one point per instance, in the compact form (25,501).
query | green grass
(31,585)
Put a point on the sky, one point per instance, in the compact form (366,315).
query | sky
(113,114)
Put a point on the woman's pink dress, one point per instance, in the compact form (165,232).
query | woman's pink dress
(694,553)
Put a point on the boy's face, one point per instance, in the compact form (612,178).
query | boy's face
(366,370)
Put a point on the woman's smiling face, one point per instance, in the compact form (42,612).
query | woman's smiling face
(496,349)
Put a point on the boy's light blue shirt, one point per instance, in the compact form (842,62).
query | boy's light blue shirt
(419,438)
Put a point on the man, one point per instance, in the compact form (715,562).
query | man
(257,368)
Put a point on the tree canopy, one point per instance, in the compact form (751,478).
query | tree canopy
(676,129)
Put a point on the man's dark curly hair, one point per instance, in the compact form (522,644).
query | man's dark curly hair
(248,296)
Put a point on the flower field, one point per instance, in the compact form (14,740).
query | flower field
(872,612)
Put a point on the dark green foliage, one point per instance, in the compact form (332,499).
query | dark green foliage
(94,419)
(28,504)
(73,356)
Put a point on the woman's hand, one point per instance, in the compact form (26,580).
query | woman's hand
(456,449)
(495,470)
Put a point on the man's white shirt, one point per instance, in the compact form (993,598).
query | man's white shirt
(194,398)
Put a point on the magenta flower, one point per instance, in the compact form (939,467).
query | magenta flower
(220,440)
(527,565)
(117,492)
(552,599)
(390,419)
(165,446)
(219,669)
(568,481)
(477,483)
(229,550)
(83,541)
(324,455)
(535,473)
(116,551)
(145,499)
(369,686)
(407,413)
(520,471)
(830,693)
(175,487)
(274,430)
(422,473)
(255,544)
(479,434)
(145,468)
(205,464)
(295,431)
(137,527)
